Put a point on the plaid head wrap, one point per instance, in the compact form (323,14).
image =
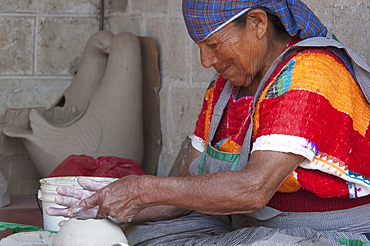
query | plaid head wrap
(205,17)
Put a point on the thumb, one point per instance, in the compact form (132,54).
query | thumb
(86,204)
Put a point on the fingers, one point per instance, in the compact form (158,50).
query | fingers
(74,192)
(77,201)
(56,211)
(66,201)
(86,204)
(90,213)
(70,196)
(92,185)
(90,202)
(70,191)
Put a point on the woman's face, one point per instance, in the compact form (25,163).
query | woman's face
(237,54)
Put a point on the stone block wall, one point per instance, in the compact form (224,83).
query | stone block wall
(41,42)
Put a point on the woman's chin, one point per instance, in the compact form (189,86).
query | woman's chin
(238,82)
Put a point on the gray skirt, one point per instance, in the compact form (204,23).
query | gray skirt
(316,228)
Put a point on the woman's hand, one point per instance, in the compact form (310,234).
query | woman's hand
(120,199)
(70,196)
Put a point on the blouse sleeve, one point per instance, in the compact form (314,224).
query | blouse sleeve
(314,105)
(315,108)
(200,134)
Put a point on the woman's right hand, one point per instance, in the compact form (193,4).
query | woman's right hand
(70,196)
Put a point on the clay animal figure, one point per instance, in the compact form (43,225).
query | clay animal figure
(73,103)
(107,123)
(76,97)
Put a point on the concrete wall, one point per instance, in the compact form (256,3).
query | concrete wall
(41,43)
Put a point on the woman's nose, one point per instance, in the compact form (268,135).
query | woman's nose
(207,56)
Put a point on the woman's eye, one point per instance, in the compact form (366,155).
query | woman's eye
(212,46)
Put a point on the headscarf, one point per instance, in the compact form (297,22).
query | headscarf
(205,17)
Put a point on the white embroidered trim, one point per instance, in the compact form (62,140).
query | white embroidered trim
(358,185)
(197,143)
(286,143)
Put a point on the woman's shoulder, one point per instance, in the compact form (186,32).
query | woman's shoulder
(304,58)
(307,56)
(320,63)
(315,64)
(313,69)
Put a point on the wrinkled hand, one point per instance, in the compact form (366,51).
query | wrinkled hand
(120,199)
(70,196)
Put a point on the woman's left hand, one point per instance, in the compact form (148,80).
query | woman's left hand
(120,199)
(69,196)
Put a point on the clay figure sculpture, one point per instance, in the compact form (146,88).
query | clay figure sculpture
(73,103)
(112,124)
(76,97)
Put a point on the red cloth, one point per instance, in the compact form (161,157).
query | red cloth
(104,166)
(306,201)
(235,119)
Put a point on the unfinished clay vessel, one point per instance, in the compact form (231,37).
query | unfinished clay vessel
(90,232)
(112,123)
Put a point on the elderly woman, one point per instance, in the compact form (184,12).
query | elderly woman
(281,152)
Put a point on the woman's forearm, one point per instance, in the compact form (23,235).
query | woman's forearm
(224,192)
(212,193)
(157,213)
(165,212)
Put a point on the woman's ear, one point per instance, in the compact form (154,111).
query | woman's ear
(258,21)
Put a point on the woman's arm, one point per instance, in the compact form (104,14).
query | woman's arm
(226,192)
(164,212)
